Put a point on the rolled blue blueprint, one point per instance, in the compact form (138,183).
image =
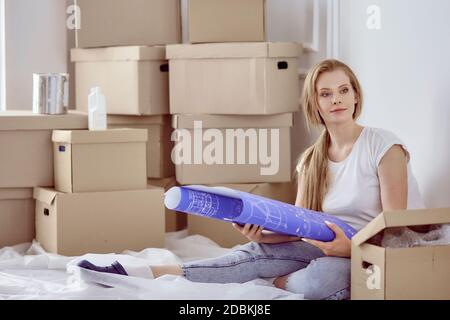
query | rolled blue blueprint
(242,208)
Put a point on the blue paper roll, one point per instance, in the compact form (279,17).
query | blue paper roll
(241,207)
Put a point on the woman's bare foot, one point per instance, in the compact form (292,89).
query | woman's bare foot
(159,271)
(280,282)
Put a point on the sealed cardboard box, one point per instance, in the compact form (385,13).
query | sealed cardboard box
(74,224)
(134,80)
(400,273)
(223,233)
(175,221)
(16,216)
(107,23)
(234,78)
(212,149)
(226,21)
(107,160)
(159,143)
(26,156)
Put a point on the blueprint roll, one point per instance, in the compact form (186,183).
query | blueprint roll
(245,208)
(203,204)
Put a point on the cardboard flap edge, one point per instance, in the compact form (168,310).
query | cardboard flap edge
(371,229)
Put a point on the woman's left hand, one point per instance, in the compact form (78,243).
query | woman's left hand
(341,246)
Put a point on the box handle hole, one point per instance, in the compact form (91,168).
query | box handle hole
(46,212)
(164,67)
(283,65)
(366,265)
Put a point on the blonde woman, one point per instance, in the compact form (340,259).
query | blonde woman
(352,172)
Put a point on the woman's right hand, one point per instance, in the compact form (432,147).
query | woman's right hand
(251,231)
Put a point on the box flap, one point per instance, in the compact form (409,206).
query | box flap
(143,120)
(16,193)
(234,50)
(401,218)
(132,53)
(371,229)
(100,136)
(45,195)
(27,120)
(234,121)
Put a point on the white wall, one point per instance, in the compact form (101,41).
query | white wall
(405,72)
(35,43)
(2,55)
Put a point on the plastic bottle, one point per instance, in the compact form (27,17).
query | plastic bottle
(97,110)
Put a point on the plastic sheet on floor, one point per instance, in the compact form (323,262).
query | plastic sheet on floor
(28,272)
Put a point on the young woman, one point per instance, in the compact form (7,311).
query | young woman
(353,172)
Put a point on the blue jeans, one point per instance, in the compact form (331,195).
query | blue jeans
(313,274)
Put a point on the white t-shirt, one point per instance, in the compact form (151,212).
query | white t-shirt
(354,192)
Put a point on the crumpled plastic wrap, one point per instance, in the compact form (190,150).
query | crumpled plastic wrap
(406,237)
(28,272)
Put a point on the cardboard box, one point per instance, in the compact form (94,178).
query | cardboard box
(234,78)
(400,273)
(106,23)
(74,224)
(237,143)
(175,221)
(226,21)
(134,80)
(223,233)
(26,156)
(107,160)
(159,143)
(16,216)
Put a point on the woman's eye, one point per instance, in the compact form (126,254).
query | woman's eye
(324,95)
(344,90)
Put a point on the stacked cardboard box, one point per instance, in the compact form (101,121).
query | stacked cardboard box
(226,21)
(101,202)
(121,49)
(26,161)
(106,23)
(232,97)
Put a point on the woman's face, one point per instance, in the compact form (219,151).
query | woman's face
(336,97)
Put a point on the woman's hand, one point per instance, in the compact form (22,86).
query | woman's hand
(341,246)
(251,231)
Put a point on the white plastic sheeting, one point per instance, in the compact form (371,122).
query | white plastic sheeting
(28,272)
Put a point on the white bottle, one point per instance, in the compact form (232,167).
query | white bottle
(97,110)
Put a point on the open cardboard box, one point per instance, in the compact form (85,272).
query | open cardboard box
(400,273)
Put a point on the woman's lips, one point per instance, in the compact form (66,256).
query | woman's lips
(338,110)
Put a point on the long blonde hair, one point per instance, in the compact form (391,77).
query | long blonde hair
(313,163)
